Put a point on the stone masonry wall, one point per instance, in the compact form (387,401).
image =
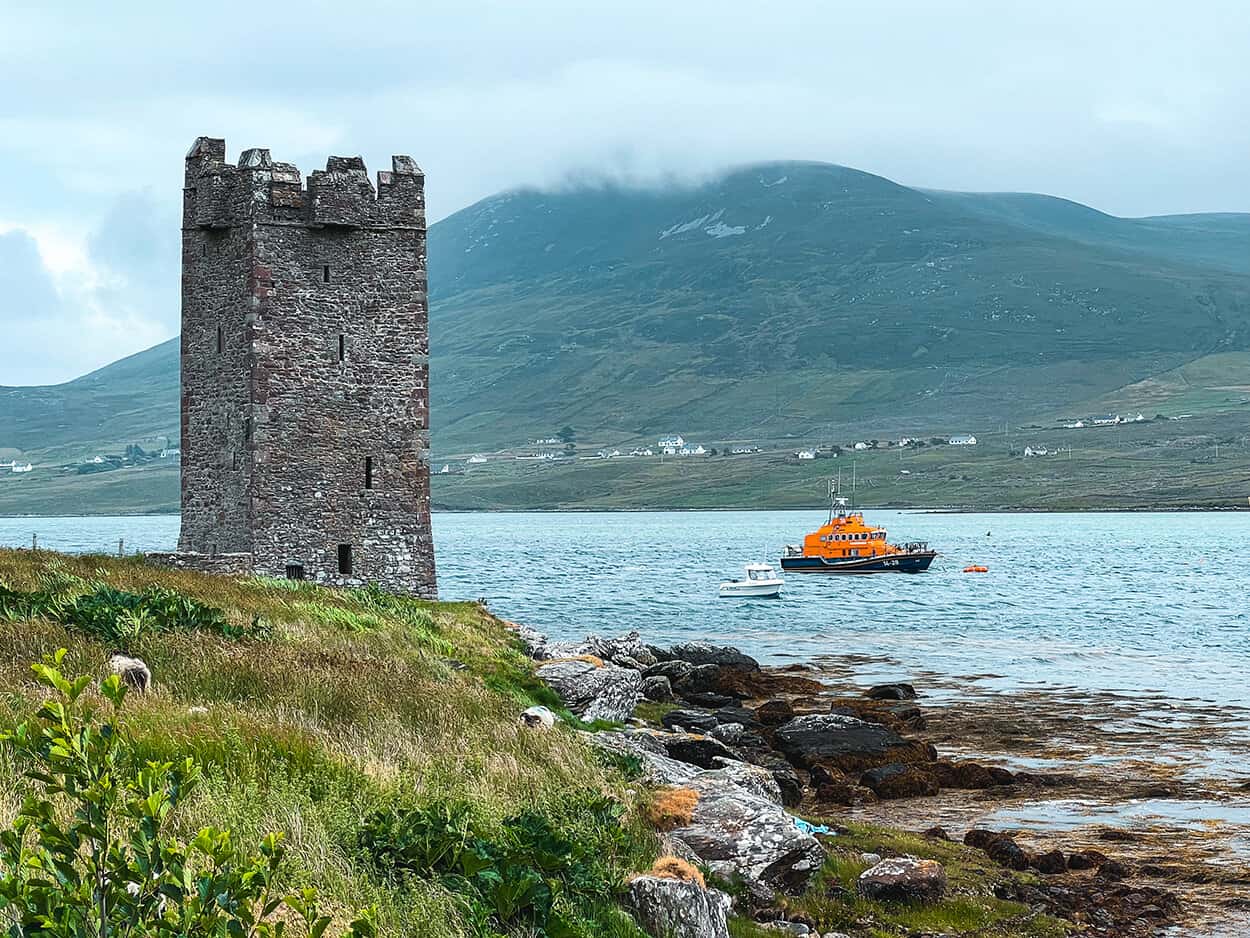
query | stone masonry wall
(305,419)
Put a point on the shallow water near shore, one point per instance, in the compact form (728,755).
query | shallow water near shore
(1135,602)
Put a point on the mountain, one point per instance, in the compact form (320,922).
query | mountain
(134,400)
(776,300)
(800,298)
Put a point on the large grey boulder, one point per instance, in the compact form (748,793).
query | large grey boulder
(627,650)
(657,687)
(737,828)
(754,778)
(594,691)
(628,646)
(674,670)
(533,641)
(674,908)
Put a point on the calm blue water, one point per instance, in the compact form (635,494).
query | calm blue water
(1130,602)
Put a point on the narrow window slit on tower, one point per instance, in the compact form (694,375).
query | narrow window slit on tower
(220,338)
(325,273)
(345,559)
(342,347)
(368,472)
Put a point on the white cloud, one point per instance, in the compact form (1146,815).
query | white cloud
(1132,106)
(64,311)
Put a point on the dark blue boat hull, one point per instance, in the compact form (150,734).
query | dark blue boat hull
(914,562)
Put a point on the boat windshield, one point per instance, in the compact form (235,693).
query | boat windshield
(763,574)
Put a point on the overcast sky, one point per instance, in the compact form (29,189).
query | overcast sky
(1135,108)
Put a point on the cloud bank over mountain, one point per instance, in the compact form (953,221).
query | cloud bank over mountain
(1132,107)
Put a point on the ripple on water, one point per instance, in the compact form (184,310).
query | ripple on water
(1145,813)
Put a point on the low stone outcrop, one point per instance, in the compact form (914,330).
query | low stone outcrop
(678,908)
(903,879)
(754,778)
(594,691)
(845,742)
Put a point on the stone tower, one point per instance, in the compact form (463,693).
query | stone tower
(305,393)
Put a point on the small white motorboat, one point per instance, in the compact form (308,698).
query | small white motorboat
(761,582)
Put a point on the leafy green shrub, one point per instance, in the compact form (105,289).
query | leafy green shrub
(100,860)
(536,874)
(118,617)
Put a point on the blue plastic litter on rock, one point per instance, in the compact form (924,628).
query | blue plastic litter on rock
(809,828)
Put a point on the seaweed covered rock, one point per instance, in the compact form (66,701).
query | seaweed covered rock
(594,690)
(899,781)
(1004,851)
(967,774)
(678,908)
(899,691)
(843,741)
(703,653)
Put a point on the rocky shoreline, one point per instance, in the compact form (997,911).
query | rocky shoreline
(761,746)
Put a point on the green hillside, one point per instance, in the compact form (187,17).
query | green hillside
(780,302)
(134,400)
(798,299)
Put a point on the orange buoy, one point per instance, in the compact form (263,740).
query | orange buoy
(976,568)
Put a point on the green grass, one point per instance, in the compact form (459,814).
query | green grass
(969,908)
(1203,461)
(346,702)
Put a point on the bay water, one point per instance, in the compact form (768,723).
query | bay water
(1139,603)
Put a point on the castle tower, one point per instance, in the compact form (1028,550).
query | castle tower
(305,394)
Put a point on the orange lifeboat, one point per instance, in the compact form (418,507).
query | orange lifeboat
(846,544)
(976,568)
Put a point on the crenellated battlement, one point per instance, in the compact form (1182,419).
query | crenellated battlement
(218,194)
